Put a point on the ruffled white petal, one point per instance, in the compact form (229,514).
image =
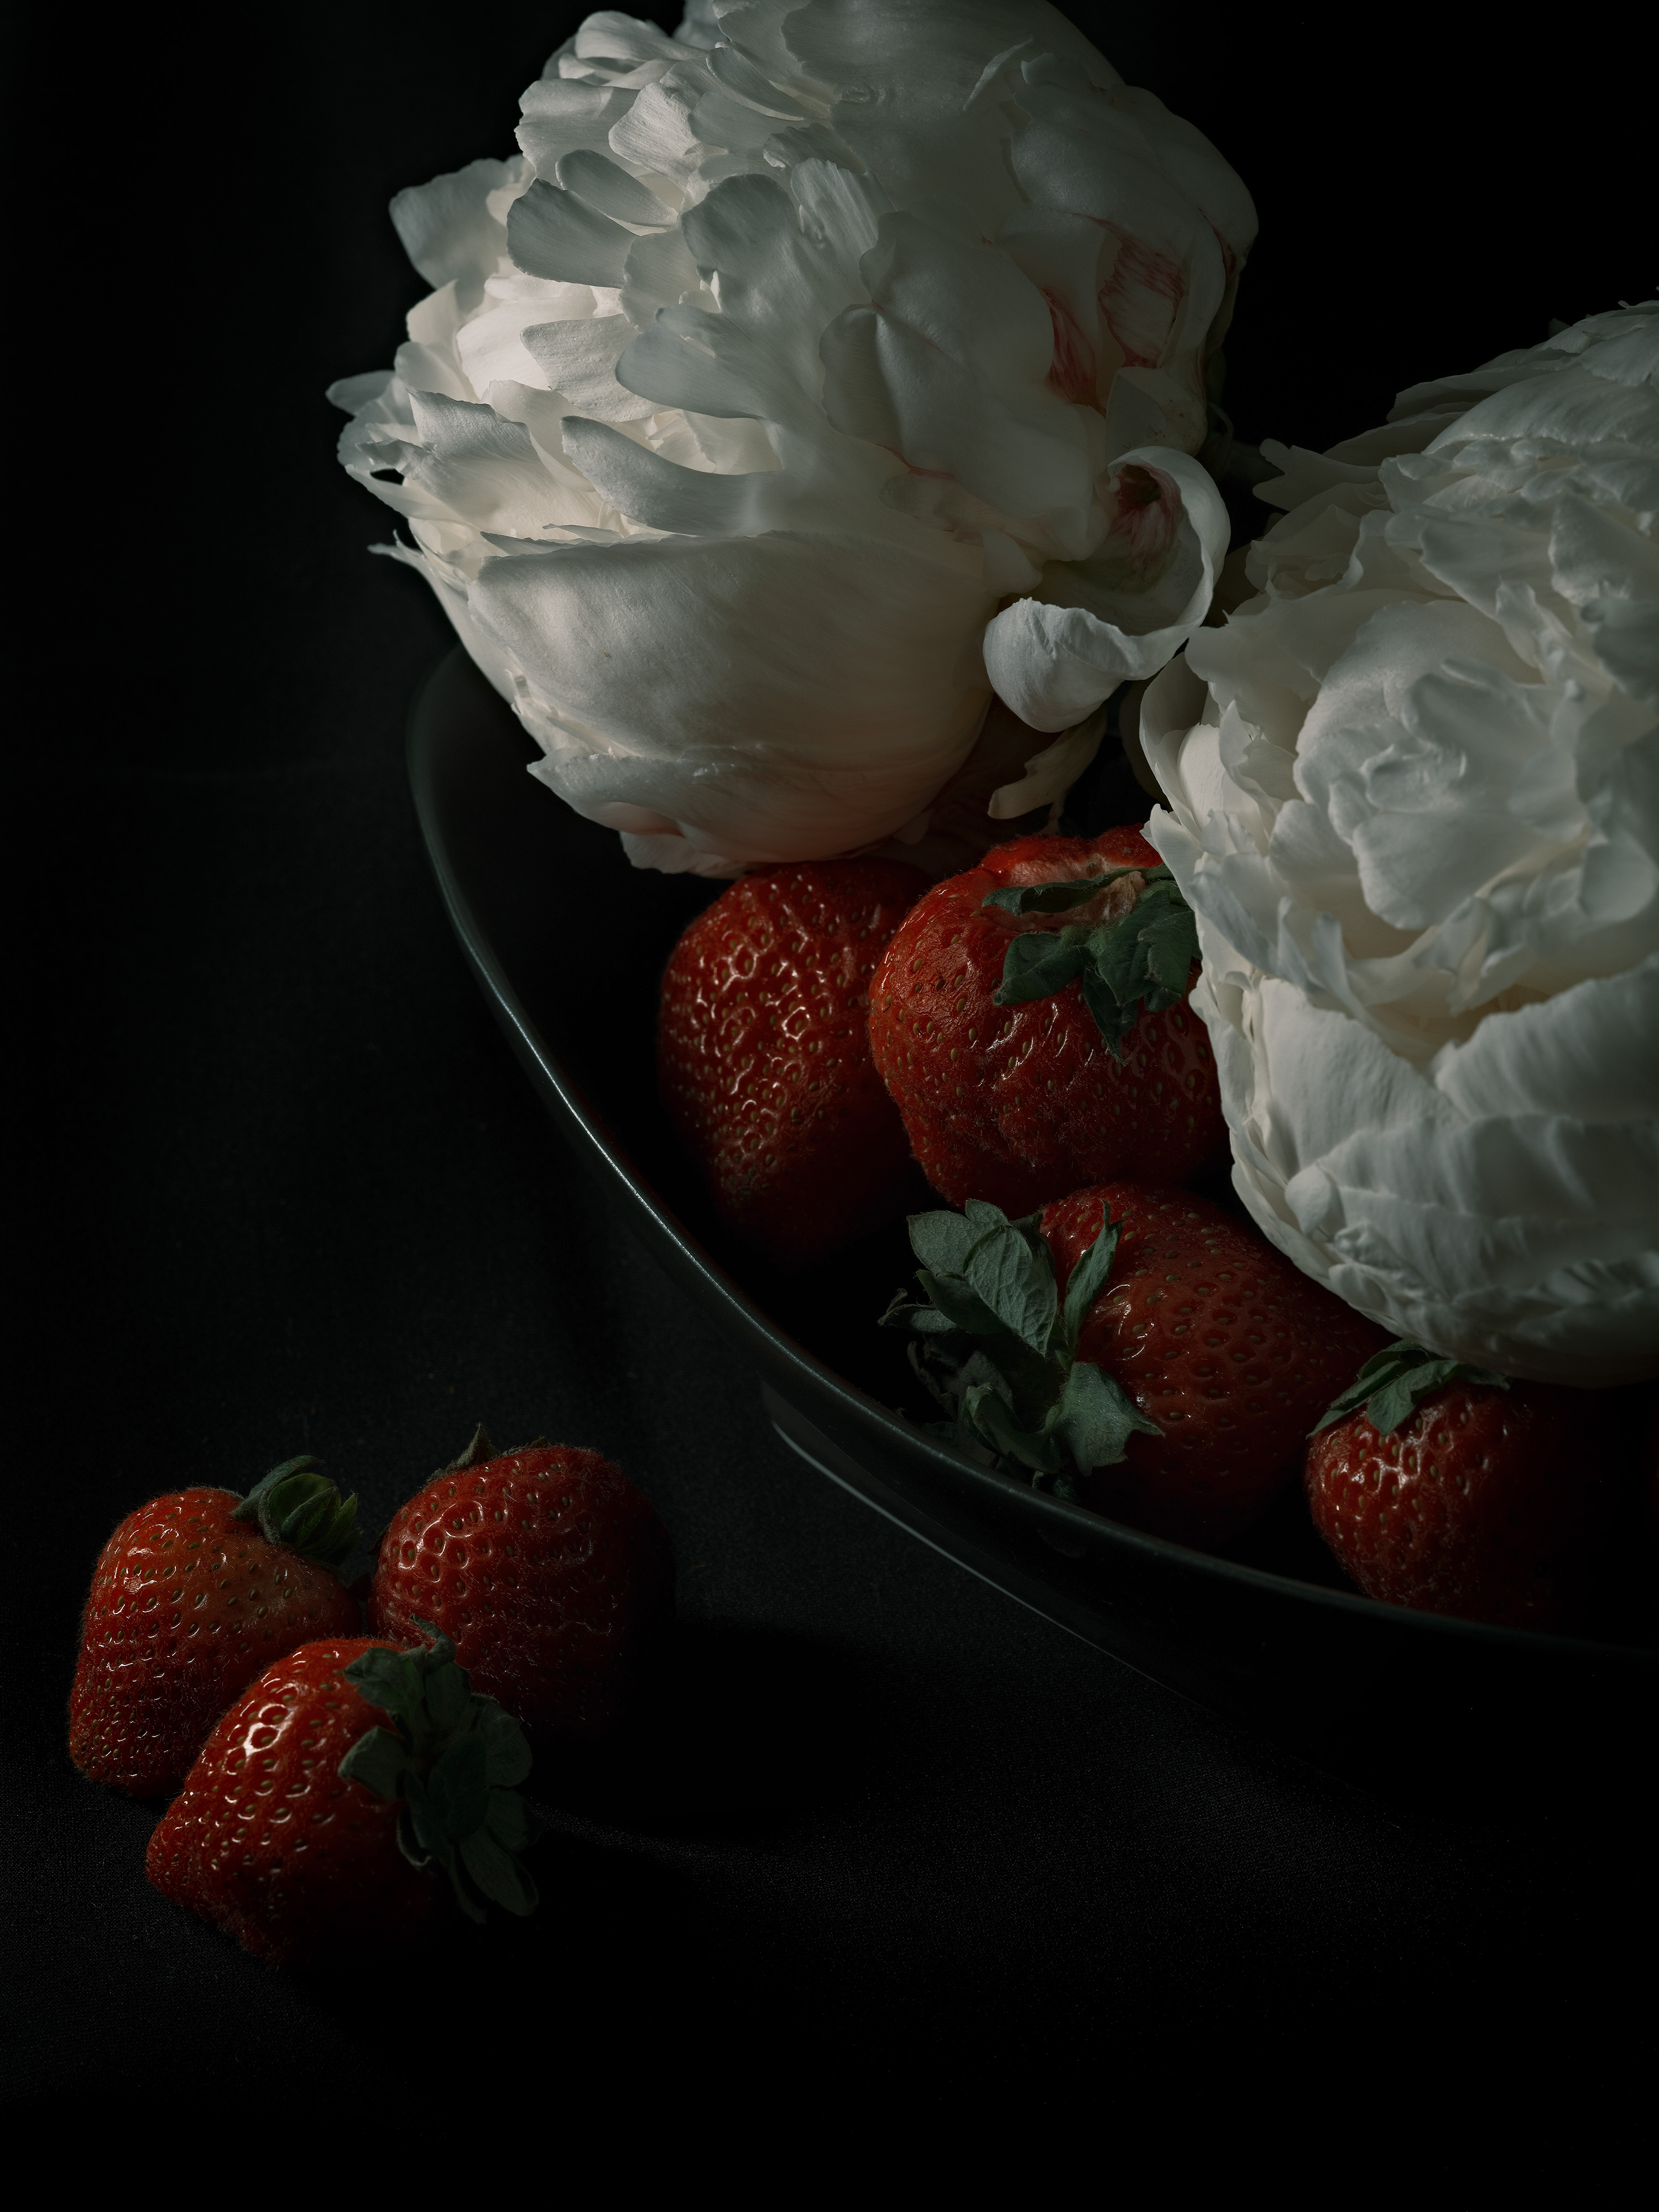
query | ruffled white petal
(1055,663)
(1413,798)
(688,679)
(867,301)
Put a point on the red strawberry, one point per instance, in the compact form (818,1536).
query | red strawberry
(193,1596)
(1134,1347)
(1452,1489)
(763,1056)
(1018,1099)
(1215,1337)
(547,1568)
(307,1828)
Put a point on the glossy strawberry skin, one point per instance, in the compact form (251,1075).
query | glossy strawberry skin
(269,1843)
(1219,1338)
(186,1608)
(764,1056)
(1491,1506)
(548,1570)
(1021,1104)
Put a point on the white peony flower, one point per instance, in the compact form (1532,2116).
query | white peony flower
(1414,799)
(785,351)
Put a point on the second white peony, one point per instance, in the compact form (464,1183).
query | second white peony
(806,377)
(1413,796)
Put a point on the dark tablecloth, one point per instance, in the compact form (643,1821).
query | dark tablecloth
(285,1190)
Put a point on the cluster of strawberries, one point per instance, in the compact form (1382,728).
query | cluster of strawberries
(329,1785)
(336,1756)
(1022,1033)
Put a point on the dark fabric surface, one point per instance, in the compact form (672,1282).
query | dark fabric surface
(282,1188)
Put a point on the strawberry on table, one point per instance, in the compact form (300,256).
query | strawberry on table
(309,1829)
(1135,1346)
(1035,1030)
(764,1056)
(548,1569)
(194,1595)
(1453,1488)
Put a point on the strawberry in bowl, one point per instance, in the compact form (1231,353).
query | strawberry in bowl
(1451,1488)
(1249,1634)
(1133,1347)
(763,1056)
(1030,1019)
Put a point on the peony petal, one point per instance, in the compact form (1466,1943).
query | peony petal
(559,117)
(481,468)
(709,364)
(445,226)
(551,233)
(694,670)
(841,213)
(1054,666)
(658,273)
(578,359)
(739,75)
(1591,1052)
(1625,636)
(1184,154)
(609,189)
(1428,1220)
(1050,774)
(774,282)
(1576,407)
(1431,960)
(920,129)
(655,134)
(893,387)
(354,394)
(662,496)
(770,291)
(611,33)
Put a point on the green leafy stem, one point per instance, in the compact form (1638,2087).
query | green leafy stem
(1020,1394)
(453,1758)
(1394,1381)
(1142,958)
(296,1504)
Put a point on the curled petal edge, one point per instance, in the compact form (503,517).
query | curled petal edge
(1054,666)
(1050,774)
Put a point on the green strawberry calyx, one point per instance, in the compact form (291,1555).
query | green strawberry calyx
(296,1504)
(452,1759)
(1394,1382)
(480,1451)
(1020,1397)
(1143,957)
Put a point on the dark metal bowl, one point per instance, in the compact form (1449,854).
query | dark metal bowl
(568,942)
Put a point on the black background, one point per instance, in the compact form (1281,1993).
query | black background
(890,1847)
